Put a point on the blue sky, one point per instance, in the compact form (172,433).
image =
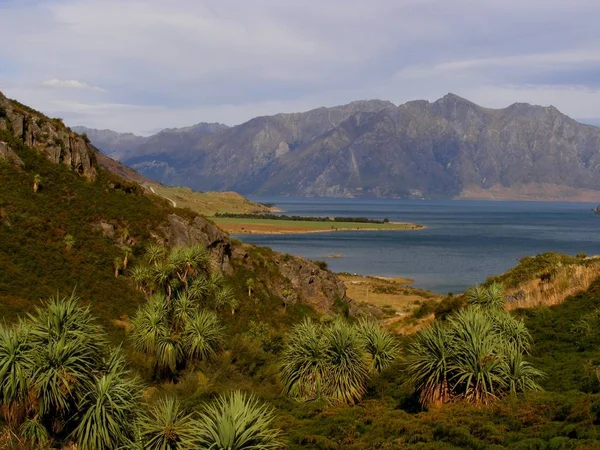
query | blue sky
(142,65)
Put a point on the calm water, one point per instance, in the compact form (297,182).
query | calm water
(465,241)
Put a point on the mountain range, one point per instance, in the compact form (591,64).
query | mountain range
(451,148)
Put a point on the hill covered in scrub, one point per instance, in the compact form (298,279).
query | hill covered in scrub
(182,337)
(451,148)
(68,234)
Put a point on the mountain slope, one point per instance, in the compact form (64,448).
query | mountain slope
(445,149)
(65,222)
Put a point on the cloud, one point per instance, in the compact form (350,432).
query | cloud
(177,62)
(70,84)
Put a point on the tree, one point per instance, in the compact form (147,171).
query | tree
(37,182)
(379,344)
(237,421)
(69,241)
(58,382)
(332,362)
(165,426)
(109,408)
(117,265)
(175,333)
(477,355)
(250,285)
(126,253)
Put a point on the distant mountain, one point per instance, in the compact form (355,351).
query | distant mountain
(446,149)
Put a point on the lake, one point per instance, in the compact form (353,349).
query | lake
(463,244)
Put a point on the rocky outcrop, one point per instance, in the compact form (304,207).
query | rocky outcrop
(179,231)
(311,285)
(446,149)
(7,154)
(49,136)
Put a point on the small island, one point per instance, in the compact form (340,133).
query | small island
(281,224)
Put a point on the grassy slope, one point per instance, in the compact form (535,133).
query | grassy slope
(209,203)
(34,260)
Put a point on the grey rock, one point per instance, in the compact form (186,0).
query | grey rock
(374,148)
(8,155)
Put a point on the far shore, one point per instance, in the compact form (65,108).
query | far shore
(270,226)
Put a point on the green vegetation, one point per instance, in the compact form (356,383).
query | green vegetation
(334,362)
(478,355)
(237,422)
(300,218)
(277,225)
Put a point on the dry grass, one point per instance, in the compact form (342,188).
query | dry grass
(393,294)
(565,281)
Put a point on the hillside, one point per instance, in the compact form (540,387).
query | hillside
(451,148)
(81,218)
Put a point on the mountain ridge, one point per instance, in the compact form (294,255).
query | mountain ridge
(448,148)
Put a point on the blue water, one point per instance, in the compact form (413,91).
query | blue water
(463,244)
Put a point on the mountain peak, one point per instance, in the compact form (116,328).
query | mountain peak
(453,98)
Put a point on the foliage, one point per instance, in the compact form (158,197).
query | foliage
(165,426)
(174,334)
(476,356)
(58,379)
(238,421)
(333,362)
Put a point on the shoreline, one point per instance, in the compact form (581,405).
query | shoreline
(282,230)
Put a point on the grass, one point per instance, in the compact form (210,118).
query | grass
(270,226)
(209,203)
(393,295)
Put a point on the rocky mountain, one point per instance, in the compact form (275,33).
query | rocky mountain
(446,149)
(49,136)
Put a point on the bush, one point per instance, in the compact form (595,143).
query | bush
(322,265)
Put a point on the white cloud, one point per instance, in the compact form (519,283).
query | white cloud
(70,84)
(177,62)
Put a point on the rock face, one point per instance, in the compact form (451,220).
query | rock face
(311,285)
(449,148)
(49,136)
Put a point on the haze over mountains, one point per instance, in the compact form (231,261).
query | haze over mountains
(446,149)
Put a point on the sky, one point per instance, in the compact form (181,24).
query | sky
(143,65)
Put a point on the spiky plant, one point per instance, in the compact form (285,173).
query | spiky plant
(238,422)
(346,362)
(381,346)
(200,288)
(224,297)
(143,277)
(184,307)
(189,261)
(163,276)
(303,366)
(427,364)
(165,426)
(478,356)
(64,318)
(108,409)
(62,374)
(512,330)
(155,253)
(67,346)
(34,434)
(491,297)
(202,335)
(520,374)
(15,372)
(150,324)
